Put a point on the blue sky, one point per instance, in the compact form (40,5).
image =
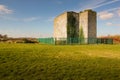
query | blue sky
(34,18)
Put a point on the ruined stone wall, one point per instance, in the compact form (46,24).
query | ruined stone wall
(72,25)
(87,20)
(60,26)
(68,25)
(92,23)
(83,23)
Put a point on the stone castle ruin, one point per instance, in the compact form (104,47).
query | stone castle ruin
(80,25)
(76,28)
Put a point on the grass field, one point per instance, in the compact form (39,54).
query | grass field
(68,62)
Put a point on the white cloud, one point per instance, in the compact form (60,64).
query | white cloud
(89,4)
(93,4)
(118,12)
(103,4)
(111,24)
(5,10)
(30,19)
(111,9)
(109,13)
(50,19)
(20,33)
(11,18)
(46,35)
(105,15)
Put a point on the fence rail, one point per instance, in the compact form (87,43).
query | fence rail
(64,41)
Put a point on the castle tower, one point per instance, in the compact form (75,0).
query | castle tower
(66,25)
(60,26)
(76,25)
(88,23)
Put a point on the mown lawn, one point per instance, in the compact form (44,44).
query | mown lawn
(61,62)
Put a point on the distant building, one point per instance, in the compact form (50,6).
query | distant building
(75,25)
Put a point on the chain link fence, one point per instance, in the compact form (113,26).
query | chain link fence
(67,41)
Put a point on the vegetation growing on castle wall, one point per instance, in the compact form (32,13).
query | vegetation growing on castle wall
(71,28)
(81,35)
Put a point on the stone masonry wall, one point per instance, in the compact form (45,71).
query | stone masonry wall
(60,26)
(87,20)
(72,25)
(92,23)
(83,22)
(69,24)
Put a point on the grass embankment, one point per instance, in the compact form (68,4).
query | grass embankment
(50,62)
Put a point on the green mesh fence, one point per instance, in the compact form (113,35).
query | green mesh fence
(65,41)
(47,40)
(104,41)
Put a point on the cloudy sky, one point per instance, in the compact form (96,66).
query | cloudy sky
(34,18)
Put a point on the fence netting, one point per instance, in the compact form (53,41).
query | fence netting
(64,41)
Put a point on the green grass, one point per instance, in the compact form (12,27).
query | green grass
(68,62)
